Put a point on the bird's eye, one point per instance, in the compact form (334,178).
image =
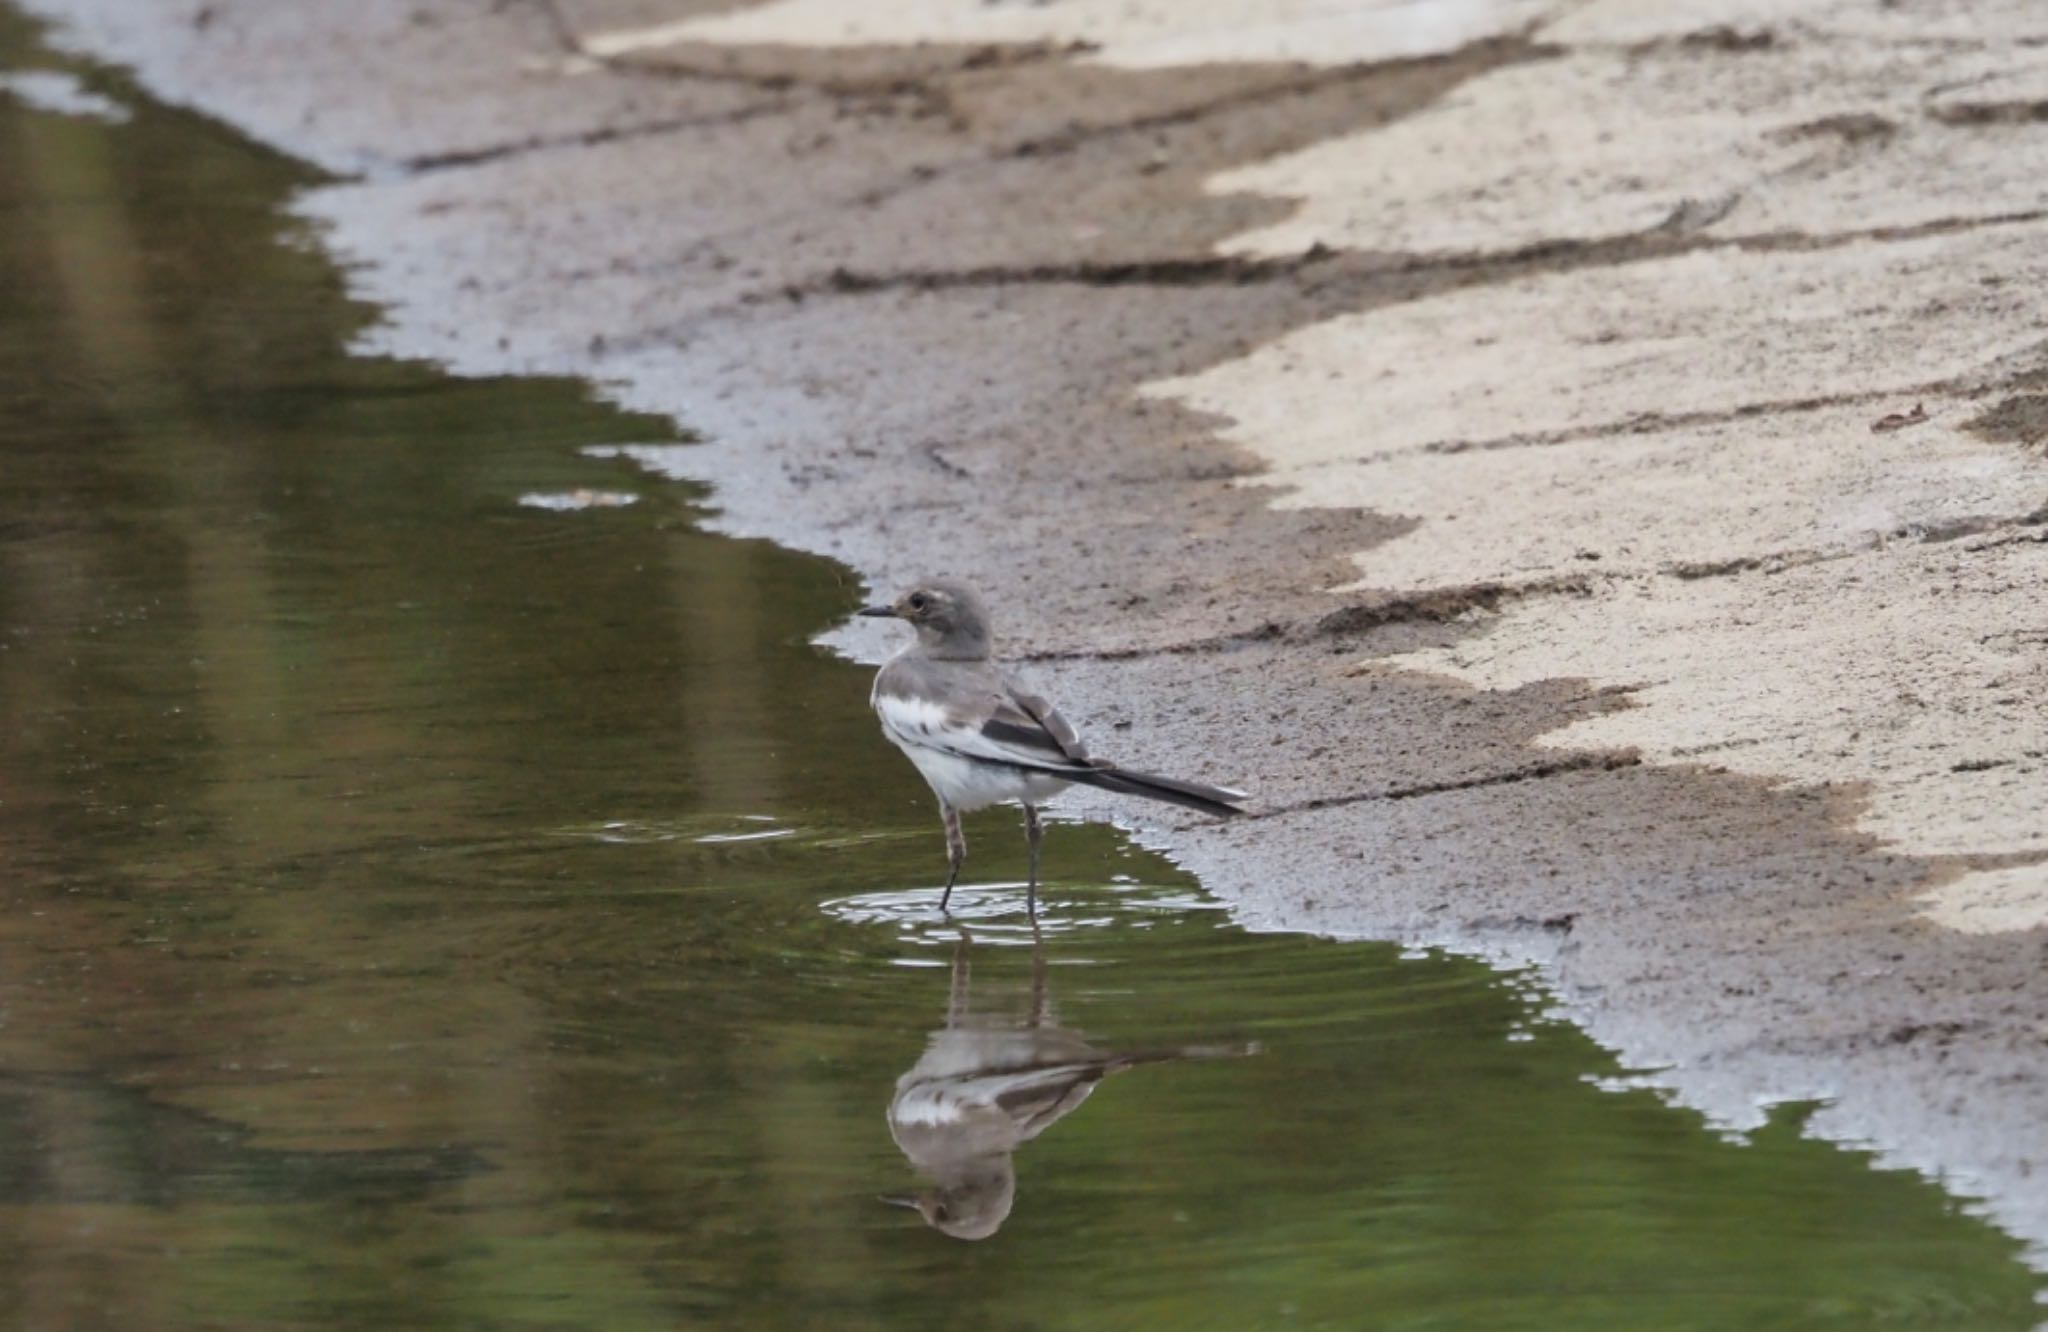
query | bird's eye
(918,601)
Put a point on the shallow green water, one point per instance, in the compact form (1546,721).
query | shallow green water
(423,909)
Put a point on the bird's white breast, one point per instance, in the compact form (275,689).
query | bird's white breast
(943,749)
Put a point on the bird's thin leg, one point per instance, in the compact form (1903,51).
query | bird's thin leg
(956,850)
(1032,833)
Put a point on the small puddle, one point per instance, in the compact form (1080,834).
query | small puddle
(443,889)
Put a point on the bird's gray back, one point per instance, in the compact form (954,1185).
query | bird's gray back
(970,690)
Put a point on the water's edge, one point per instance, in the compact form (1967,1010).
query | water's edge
(384,268)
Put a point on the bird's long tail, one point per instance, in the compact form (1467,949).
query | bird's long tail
(1215,800)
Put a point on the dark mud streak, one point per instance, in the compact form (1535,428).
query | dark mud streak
(489,153)
(1656,423)
(926,91)
(2017,539)
(1440,606)
(1583,762)
(1226,270)
(1365,278)
(1498,53)
(1939,226)
(1331,271)
(1958,529)
(2020,418)
(1977,114)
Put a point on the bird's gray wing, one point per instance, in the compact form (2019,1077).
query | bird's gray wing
(974,712)
(1035,1105)
(994,1109)
(1030,715)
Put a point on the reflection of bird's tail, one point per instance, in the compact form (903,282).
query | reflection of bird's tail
(1124,1059)
(1217,800)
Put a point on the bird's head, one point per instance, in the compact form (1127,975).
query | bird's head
(972,1203)
(948,617)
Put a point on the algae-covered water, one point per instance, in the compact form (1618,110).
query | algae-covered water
(435,894)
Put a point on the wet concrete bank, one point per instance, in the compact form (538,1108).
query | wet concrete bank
(1352,479)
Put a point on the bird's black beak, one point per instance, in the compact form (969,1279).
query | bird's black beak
(878,612)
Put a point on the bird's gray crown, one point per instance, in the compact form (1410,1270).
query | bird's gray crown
(948,616)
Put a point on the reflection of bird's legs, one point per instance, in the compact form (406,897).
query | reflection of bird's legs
(1038,986)
(956,1000)
(956,850)
(1032,833)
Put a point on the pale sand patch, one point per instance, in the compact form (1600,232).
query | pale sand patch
(1139,34)
(1786,487)
(1919,668)
(1704,333)
(1992,902)
(1812,139)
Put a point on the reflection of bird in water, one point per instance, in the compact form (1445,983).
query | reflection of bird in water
(984,1086)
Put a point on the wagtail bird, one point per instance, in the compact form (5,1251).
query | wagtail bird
(980,740)
(986,1084)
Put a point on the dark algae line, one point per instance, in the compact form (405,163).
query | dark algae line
(426,907)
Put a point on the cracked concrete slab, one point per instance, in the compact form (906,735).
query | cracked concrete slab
(1794,136)
(877,276)
(1564,420)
